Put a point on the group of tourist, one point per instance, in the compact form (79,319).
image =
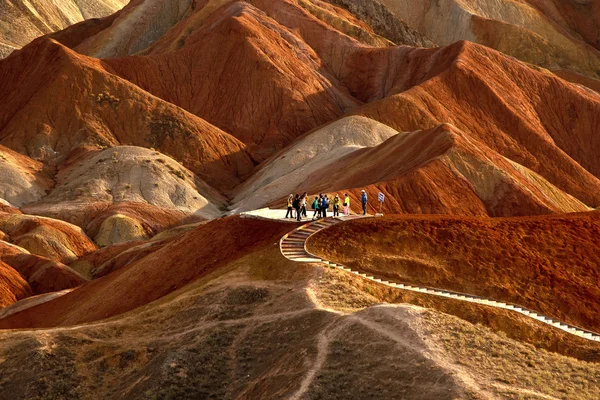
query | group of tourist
(296,205)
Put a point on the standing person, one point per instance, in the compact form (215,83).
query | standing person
(290,204)
(324,206)
(363,200)
(320,207)
(336,205)
(303,204)
(296,205)
(346,204)
(316,207)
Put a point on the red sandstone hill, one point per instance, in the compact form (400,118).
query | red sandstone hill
(41,274)
(533,118)
(110,111)
(145,127)
(13,286)
(223,85)
(549,263)
(186,258)
(266,86)
(268,72)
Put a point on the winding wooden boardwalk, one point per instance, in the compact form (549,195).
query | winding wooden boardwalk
(293,247)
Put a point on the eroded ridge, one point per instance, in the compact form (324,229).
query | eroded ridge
(293,247)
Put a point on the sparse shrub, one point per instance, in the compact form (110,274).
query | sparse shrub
(178,174)
(106,98)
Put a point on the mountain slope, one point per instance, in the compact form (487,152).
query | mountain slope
(265,86)
(110,111)
(540,32)
(23,21)
(436,171)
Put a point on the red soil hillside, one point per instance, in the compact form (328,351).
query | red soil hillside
(529,116)
(188,258)
(42,275)
(265,86)
(53,239)
(526,115)
(443,171)
(550,264)
(307,73)
(111,111)
(436,171)
(532,118)
(13,286)
(117,223)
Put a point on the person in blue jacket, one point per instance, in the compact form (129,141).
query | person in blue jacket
(363,200)
(324,206)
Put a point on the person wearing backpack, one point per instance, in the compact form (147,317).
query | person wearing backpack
(363,200)
(336,205)
(346,204)
(324,206)
(320,208)
(290,203)
(296,205)
(316,207)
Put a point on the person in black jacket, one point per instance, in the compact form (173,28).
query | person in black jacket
(296,205)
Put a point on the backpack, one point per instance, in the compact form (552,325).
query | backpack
(296,203)
(324,203)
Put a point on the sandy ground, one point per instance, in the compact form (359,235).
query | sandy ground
(264,326)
